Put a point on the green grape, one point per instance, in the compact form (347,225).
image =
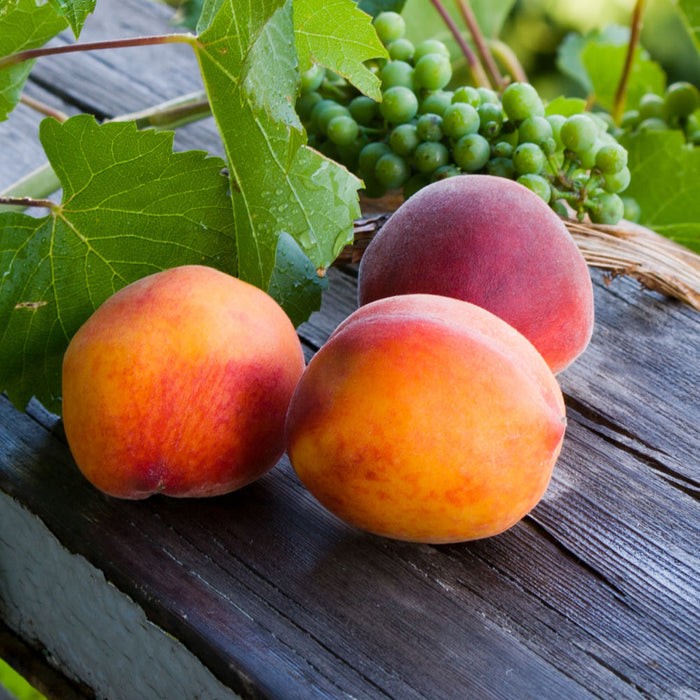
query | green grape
(535,130)
(528,158)
(501,167)
(391,171)
(430,46)
(445,171)
(467,94)
(432,71)
(401,49)
(363,109)
(389,26)
(323,112)
(630,120)
(311,79)
(610,158)
(414,183)
(537,184)
(396,73)
(489,112)
(369,156)
(586,159)
(460,119)
(342,130)
(605,121)
(436,102)
(399,104)
(578,133)
(606,209)
(349,154)
(372,187)
(471,152)
(652,124)
(681,99)
(651,105)
(618,181)
(306,103)
(556,121)
(502,149)
(520,101)
(429,156)
(488,96)
(632,210)
(403,139)
(429,127)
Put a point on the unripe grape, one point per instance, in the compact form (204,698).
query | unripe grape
(414,183)
(396,73)
(342,130)
(556,121)
(651,105)
(432,71)
(501,167)
(403,139)
(611,158)
(681,99)
(537,184)
(653,124)
(632,211)
(429,127)
(471,152)
(389,26)
(311,79)
(430,46)
(520,101)
(488,96)
(467,94)
(399,104)
(401,49)
(607,209)
(436,102)
(429,156)
(460,119)
(630,119)
(363,109)
(618,181)
(369,156)
(306,103)
(535,130)
(392,171)
(445,171)
(578,133)
(528,158)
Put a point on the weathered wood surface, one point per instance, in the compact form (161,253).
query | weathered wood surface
(595,594)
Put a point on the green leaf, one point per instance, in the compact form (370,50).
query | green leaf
(566,106)
(341,37)
(604,64)
(75,11)
(249,67)
(596,62)
(374,7)
(130,207)
(294,282)
(23,25)
(690,12)
(666,184)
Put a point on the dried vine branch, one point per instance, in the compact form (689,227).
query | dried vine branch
(656,262)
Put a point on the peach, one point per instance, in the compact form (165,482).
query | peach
(426,418)
(179,384)
(494,243)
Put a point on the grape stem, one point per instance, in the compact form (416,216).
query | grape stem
(42,108)
(29,54)
(507,58)
(621,91)
(482,48)
(477,70)
(25,202)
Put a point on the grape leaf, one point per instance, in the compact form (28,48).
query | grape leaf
(23,25)
(249,68)
(130,207)
(294,282)
(666,184)
(596,60)
(338,36)
(566,106)
(75,11)
(690,12)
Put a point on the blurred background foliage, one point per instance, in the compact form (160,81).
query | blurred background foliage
(535,29)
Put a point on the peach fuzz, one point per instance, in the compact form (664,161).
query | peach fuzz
(179,384)
(494,243)
(428,419)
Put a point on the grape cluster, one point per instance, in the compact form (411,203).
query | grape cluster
(424,130)
(678,108)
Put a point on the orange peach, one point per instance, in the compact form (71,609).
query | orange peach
(179,384)
(426,418)
(494,243)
